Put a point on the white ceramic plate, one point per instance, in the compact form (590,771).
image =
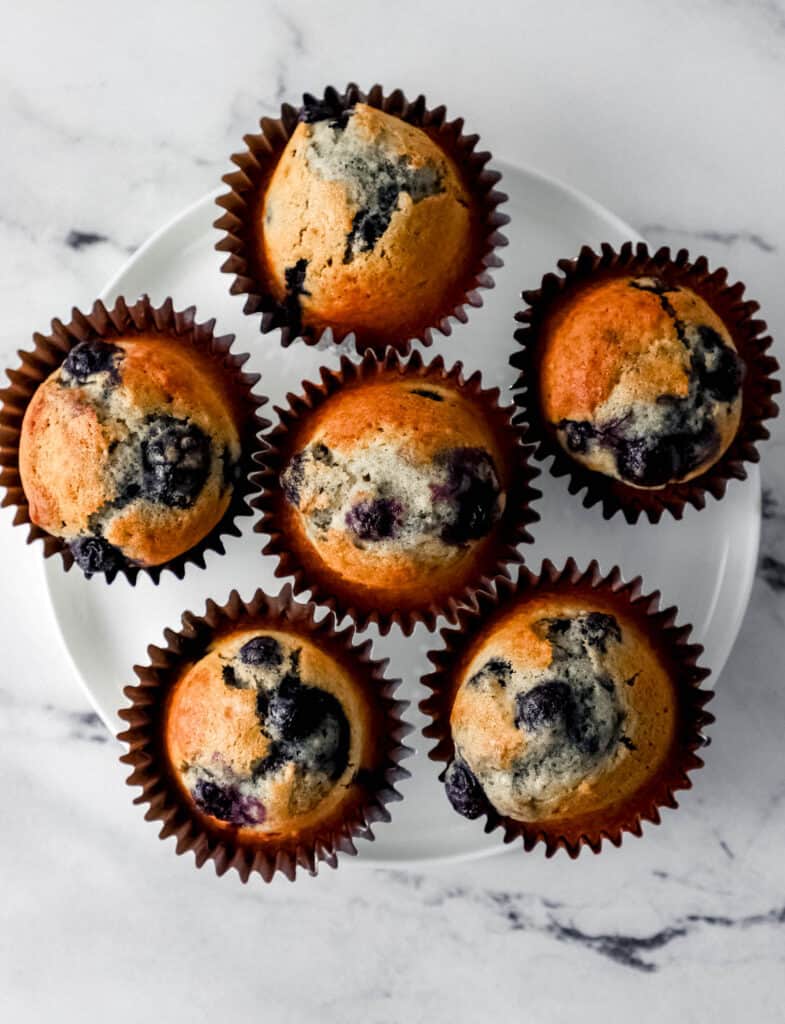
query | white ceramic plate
(704,564)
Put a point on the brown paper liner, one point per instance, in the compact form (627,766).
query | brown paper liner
(671,643)
(193,831)
(123,321)
(257,164)
(748,337)
(325,585)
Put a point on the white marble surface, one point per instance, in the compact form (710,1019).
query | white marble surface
(115,116)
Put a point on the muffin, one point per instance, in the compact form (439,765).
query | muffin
(130,450)
(363,214)
(563,711)
(400,489)
(365,223)
(270,738)
(257,733)
(645,377)
(641,381)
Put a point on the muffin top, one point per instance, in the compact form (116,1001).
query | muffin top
(393,485)
(562,709)
(129,451)
(266,733)
(640,380)
(365,223)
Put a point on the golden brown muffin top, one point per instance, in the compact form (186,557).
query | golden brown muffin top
(563,708)
(365,223)
(393,482)
(128,450)
(266,732)
(640,379)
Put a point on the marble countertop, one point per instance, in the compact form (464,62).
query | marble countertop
(114,118)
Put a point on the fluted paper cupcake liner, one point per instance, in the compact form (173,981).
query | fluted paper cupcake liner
(256,165)
(671,643)
(373,789)
(123,320)
(748,335)
(306,568)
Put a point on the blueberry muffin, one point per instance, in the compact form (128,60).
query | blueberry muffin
(129,451)
(563,710)
(393,491)
(365,224)
(640,380)
(268,735)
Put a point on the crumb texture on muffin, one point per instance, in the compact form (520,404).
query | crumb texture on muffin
(365,222)
(641,381)
(129,452)
(265,733)
(393,483)
(562,709)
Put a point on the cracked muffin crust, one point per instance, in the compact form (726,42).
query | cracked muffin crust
(267,734)
(129,451)
(393,489)
(365,224)
(562,709)
(640,380)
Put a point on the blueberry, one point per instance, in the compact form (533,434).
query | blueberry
(378,519)
(230,679)
(464,791)
(545,705)
(329,109)
(499,669)
(597,628)
(292,478)
(262,650)
(94,554)
(578,433)
(425,393)
(320,452)
(210,798)
(282,714)
(473,487)
(556,627)
(175,461)
(723,380)
(308,726)
(227,803)
(650,462)
(91,357)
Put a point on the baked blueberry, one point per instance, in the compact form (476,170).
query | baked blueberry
(598,628)
(227,803)
(215,800)
(175,461)
(379,519)
(464,791)
(328,109)
(544,706)
(95,554)
(473,487)
(261,650)
(497,668)
(292,478)
(89,358)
